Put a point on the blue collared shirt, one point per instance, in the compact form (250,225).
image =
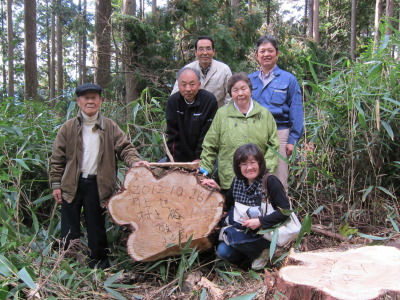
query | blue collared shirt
(281,95)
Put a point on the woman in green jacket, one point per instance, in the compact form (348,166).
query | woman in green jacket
(240,122)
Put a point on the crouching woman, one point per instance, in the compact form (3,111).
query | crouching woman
(239,241)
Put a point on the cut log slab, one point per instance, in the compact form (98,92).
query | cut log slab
(164,211)
(363,273)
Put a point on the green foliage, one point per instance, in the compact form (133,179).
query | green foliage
(351,134)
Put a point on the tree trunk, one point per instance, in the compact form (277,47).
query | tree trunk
(52,70)
(353,29)
(60,72)
(328,19)
(165,211)
(389,15)
(102,53)
(84,43)
(305,18)
(10,50)
(141,9)
(361,273)
(250,4)
(3,51)
(268,11)
(131,94)
(316,21)
(310,18)
(30,59)
(153,7)
(378,16)
(235,8)
(80,47)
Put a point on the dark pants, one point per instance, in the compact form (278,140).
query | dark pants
(87,196)
(239,252)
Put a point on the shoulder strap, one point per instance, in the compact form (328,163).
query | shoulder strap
(264,183)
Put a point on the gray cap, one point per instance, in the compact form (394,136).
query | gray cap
(84,88)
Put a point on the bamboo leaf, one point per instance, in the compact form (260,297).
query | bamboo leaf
(372,237)
(203,295)
(112,279)
(115,294)
(244,297)
(388,129)
(71,108)
(375,71)
(385,42)
(35,222)
(386,191)
(6,267)
(318,210)
(26,277)
(366,193)
(314,75)
(4,235)
(305,227)
(21,163)
(42,199)
(272,246)
(395,226)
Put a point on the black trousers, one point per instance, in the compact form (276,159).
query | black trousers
(87,196)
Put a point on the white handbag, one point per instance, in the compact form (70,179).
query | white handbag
(288,231)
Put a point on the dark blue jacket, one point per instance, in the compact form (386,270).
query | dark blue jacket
(282,97)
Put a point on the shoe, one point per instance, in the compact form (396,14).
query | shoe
(99,264)
(261,261)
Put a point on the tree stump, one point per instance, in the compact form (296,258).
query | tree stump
(165,212)
(363,273)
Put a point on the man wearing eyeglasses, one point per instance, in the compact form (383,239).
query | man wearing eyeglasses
(214,74)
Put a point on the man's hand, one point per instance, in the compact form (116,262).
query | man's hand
(140,163)
(57,195)
(251,223)
(289,149)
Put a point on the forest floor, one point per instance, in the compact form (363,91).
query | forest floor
(211,281)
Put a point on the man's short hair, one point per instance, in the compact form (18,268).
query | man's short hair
(204,37)
(241,76)
(267,39)
(243,153)
(188,69)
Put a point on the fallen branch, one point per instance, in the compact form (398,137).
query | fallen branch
(330,234)
(214,290)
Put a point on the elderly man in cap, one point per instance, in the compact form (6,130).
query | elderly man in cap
(83,170)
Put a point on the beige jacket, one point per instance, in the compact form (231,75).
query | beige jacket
(66,159)
(215,82)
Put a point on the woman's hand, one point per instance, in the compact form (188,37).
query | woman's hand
(210,183)
(252,223)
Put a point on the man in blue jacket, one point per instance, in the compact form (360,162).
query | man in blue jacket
(279,92)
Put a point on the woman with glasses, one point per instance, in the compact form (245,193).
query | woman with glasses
(239,241)
(240,122)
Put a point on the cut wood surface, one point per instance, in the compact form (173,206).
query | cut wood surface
(163,211)
(363,273)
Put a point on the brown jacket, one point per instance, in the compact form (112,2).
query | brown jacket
(66,159)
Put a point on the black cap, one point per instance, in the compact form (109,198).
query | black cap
(84,88)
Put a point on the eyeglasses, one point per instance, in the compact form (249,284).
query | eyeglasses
(250,164)
(207,49)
